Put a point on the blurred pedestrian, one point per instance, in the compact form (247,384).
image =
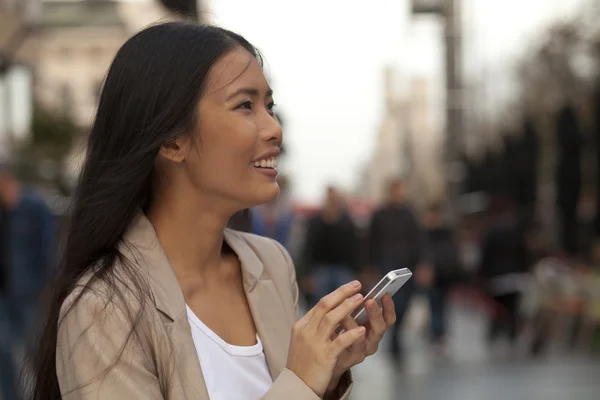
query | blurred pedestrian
(27,241)
(504,267)
(330,256)
(446,271)
(397,240)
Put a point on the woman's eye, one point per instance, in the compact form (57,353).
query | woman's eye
(247,105)
(271,106)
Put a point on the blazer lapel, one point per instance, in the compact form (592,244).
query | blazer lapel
(143,247)
(188,366)
(269,319)
(267,310)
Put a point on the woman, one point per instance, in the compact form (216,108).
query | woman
(156,299)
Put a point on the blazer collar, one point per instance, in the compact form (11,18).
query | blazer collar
(141,244)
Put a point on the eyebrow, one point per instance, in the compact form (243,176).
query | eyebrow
(249,92)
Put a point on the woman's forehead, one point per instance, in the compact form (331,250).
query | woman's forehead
(236,69)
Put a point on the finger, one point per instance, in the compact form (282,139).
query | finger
(389,310)
(334,317)
(348,323)
(331,301)
(376,321)
(359,348)
(377,326)
(347,339)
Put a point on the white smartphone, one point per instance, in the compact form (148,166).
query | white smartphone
(389,284)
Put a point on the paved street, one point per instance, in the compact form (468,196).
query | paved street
(471,372)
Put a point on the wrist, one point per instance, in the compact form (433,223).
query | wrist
(332,389)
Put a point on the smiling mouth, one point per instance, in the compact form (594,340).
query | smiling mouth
(270,163)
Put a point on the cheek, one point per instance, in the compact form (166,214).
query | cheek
(228,152)
(239,139)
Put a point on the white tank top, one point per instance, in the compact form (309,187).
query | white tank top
(230,372)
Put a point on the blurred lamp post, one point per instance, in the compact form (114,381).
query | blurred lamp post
(450,10)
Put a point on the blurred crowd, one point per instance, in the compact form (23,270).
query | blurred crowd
(492,259)
(497,259)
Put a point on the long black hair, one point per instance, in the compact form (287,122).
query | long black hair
(149,98)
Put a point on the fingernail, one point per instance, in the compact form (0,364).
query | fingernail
(356,297)
(361,330)
(354,284)
(373,307)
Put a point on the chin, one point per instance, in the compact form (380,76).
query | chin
(264,193)
(270,193)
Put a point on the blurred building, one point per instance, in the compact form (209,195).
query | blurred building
(425,145)
(17,20)
(77,43)
(407,145)
(389,158)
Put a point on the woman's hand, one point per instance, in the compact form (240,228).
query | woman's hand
(314,347)
(379,321)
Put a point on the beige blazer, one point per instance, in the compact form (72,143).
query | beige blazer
(161,362)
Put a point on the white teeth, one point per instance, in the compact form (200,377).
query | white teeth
(270,162)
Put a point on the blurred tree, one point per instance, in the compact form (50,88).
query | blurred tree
(596,116)
(527,172)
(568,176)
(52,133)
(559,93)
(557,71)
(51,141)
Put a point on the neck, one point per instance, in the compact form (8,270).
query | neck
(191,234)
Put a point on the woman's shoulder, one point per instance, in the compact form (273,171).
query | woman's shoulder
(107,288)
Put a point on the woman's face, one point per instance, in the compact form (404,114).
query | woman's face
(238,138)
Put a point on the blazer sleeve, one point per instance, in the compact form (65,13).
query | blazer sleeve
(288,385)
(98,357)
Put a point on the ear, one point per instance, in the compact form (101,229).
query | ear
(175,150)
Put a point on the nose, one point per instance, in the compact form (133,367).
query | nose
(272,131)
